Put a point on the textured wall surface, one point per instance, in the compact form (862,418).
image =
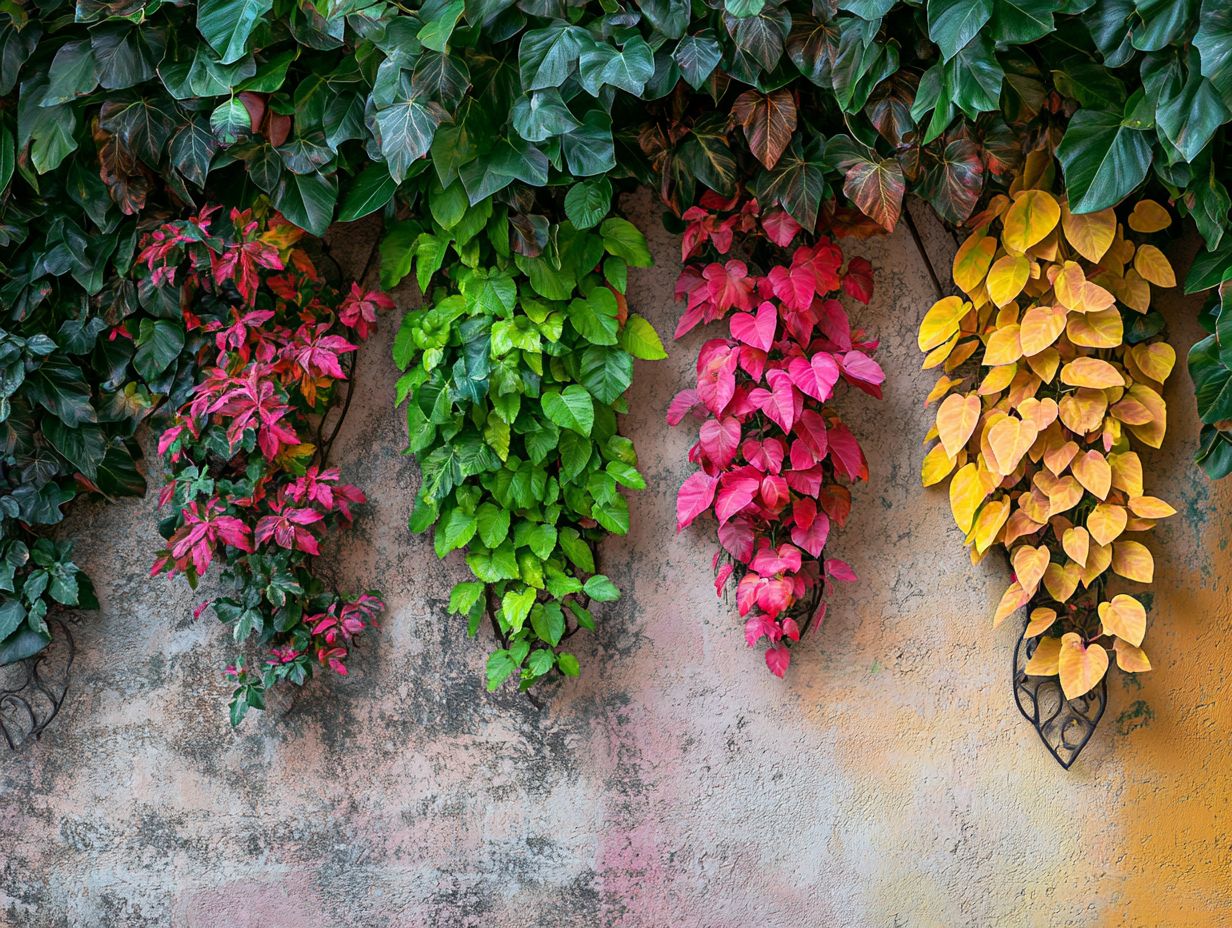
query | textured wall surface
(888,781)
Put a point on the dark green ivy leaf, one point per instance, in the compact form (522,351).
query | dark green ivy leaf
(1103,160)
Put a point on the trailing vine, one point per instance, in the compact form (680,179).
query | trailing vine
(516,369)
(1058,366)
(775,456)
(248,485)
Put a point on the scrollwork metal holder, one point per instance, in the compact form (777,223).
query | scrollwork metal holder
(1064,725)
(33,690)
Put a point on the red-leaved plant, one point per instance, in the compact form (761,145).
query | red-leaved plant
(775,457)
(248,486)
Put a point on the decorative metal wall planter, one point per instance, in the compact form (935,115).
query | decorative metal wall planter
(33,690)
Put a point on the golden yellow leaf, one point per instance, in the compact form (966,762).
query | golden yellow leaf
(1012,600)
(1126,472)
(1029,566)
(1125,618)
(971,261)
(957,418)
(1041,413)
(1075,292)
(1003,346)
(1135,524)
(943,386)
(1150,507)
(1059,452)
(1093,472)
(1131,412)
(1035,504)
(1098,559)
(1091,234)
(941,322)
(997,379)
(1077,542)
(1154,267)
(1041,620)
(964,350)
(1106,522)
(1152,433)
(937,466)
(1041,326)
(1080,666)
(1093,373)
(1135,292)
(988,523)
(1064,495)
(1133,561)
(1019,525)
(995,208)
(1083,410)
(940,353)
(1062,581)
(1009,440)
(1148,216)
(967,492)
(1045,364)
(1131,659)
(1100,329)
(1006,278)
(1034,214)
(1156,360)
(1044,662)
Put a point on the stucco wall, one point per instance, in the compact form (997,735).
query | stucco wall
(888,781)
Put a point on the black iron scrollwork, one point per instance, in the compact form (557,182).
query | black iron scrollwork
(1064,725)
(33,690)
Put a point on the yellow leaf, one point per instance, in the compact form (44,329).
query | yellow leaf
(943,386)
(957,418)
(1106,522)
(1131,412)
(1009,440)
(1127,472)
(1083,410)
(1131,659)
(1058,455)
(1029,566)
(940,353)
(1035,504)
(1063,496)
(1062,581)
(997,379)
(937,466)
(1034,214)
(1125,618)
(1150,507)
(1148,216)
(967,492)
(1041,326)
(1154,267)
(1011,601)
(1041,620)
(1133,561)
(941,322)
(1081,667)
(960,354)
(1098,559)
(1093,373)
(1135,292)
(1007,277)
(1040,413)
(1075,292)
(1093,472)
(1003,346)
(1152,433)
(1091,234)
(1045,364)
(1044,662)
(1077,542)
(988,523)
(971,261)
(1019,525)
(1100,329)
(1156,360)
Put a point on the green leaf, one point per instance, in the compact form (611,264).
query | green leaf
(549,625)
(542,115)
(600,65)
(622,238)
(975,76)
(639,338)
(1213,40)
(440,21)
(73,73)
(595,317)
(500,665)
(601,589)
(12,616)
(568,664)
(1017,22)
(192,150)
(159,343)
(493,524)
(516,606)
(698,56)
(954,23)
(83,446)
(571,408)
(548,56)
(307,200)
(228,24)
(588,202)
(8,156)
(797,183)
(405,128)
(606,372)
(1103,160)
(589,148)
(371,190)
(455,531)
(230,121)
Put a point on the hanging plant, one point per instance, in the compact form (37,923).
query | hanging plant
(249,486)
(516,368)
(775,457)
(1053,369)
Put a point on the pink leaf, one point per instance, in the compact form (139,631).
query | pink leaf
(780,405)
(777,660)
(764,455)
(834,324)
(694,498)
(840,570)
(774,491)
(812,538)
(795,286)
(858,281)
(791,629)
(719,440)
(812,429)
(864,372)
(815,377)
(682,404)
(720,579)
(736,491)
(846,454)
(736,537)
(757,331)
(781,228)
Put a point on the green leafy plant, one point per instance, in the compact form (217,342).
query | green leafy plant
(516,368)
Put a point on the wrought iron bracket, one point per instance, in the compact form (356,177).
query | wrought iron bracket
(33,690)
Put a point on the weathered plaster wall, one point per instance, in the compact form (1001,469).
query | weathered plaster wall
(888,781)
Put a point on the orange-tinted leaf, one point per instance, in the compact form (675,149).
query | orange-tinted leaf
(1040,413)
(1150,507)
(1080,666)
(1126,472)
(1041,620)
(940,353)
(1148,216)
(1003,346)
(1125,618)
(1098,559)
(1091,234)
(1100,329)
(1010,439)
(1075,292)
(943,386)
(941,321)
(1061,581)
(1151,264)
(967,492)
(1044,662)
(1029,566)
(1041,326)
(1093,472)
(1135,292)
(769,121)
(971,261)
(997,379)
(1012,600)
(1044,365)
(1133,561)
(1077,543)
(1156,360)
(1152,433)
(1083,410)
(1131,659)
(1106,523)
(1033,215)
(957,418)
(988,523)
(877,188)
(1091,372)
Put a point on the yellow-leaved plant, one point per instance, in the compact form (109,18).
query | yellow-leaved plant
(1037,440)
